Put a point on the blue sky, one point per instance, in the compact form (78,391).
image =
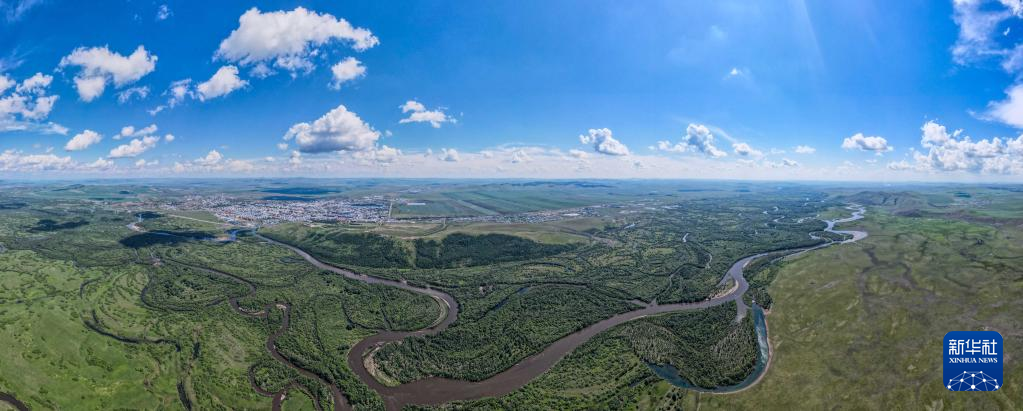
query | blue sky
(871,90)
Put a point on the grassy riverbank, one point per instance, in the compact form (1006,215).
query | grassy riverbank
(861,326)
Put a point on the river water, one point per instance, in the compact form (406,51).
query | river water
(671,374)
(436,390)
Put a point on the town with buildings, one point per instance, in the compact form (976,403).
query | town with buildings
(375,209)
(269,212)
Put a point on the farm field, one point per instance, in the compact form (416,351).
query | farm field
(492,202)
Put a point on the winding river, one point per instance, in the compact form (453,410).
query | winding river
(436,390)
(13,402)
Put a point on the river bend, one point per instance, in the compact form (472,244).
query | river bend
(437,390)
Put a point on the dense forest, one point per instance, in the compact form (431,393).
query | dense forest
(464,250)
(369,250)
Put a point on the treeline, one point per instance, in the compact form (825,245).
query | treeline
(464,250)
(46,225)
(368,250)
(359,249)
(347,248)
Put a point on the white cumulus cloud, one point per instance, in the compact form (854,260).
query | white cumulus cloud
(83,140)
(131,131)
(604,142)
(288,40)
(13,160)
(346,70)
(36,84)
(211,158)
(866,143)
(134,147)
(745,150)
(338,130)
(27,105)
(419,114)
(223,82)
(99,65)
(698,139)
(90,87)
(952,152)
(100,164)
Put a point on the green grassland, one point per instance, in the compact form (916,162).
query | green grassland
(51,360)
(862,326)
